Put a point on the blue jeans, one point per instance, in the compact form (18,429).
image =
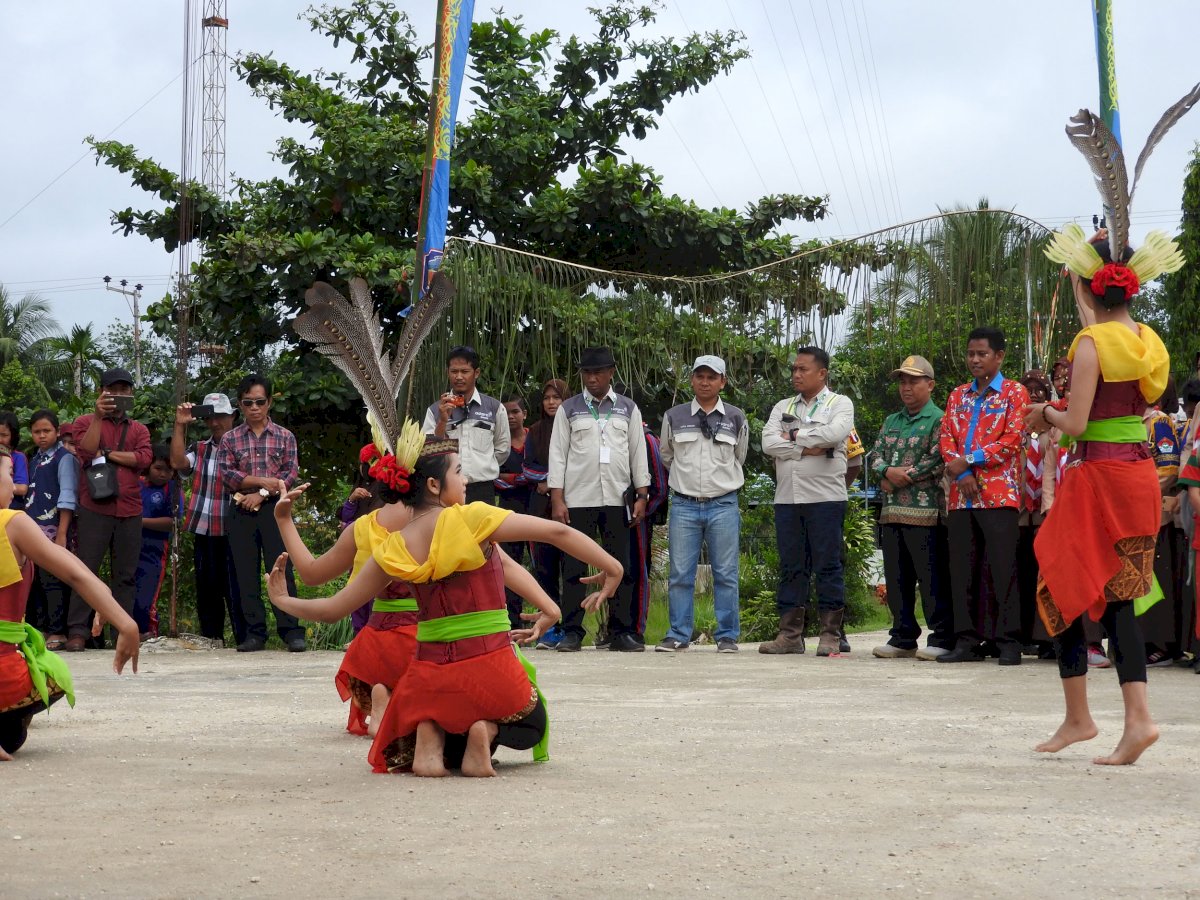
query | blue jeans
(809,538)
(717,523)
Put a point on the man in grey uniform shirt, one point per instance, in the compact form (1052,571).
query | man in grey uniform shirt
(597,451)
(704,445)
(478,422)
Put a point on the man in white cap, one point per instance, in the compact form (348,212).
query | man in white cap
(907,464)
(216,587)
(704,445)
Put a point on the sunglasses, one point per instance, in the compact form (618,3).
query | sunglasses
(254,401)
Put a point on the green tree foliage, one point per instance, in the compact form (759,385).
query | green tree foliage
(24,326)
(77,359)
(21,391)
(1181,290)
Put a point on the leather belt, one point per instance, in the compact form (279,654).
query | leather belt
(700,499)
(466,648)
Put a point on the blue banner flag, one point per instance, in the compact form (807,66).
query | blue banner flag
(451,47)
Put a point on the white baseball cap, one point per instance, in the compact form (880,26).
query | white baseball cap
(710,362)
(220,404)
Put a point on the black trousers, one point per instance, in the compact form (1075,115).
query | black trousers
(983,555)
(915,556)
(254,542)
(607,525)
(216,588)
(119,538)
(517,550)
(1125,644)
(481,491)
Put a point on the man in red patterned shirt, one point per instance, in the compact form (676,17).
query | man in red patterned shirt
(982,432)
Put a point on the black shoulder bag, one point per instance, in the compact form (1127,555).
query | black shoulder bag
(102,478)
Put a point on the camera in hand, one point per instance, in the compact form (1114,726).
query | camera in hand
(202,411)
(123,403)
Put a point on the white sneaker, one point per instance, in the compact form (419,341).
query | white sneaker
(887,651)
(931,653)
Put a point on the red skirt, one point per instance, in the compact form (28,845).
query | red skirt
(379,654)
(454,696)
(1098,505)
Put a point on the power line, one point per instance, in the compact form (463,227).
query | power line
(774,119)
(692,157)
(796,98)
(737,130)
(88,152)
(876,103)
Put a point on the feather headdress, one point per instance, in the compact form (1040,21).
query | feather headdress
(1071,248)
(348,332)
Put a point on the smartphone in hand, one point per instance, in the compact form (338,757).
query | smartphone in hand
(202,411)
(123,403)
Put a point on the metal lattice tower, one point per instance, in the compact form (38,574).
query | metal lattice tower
(215,66)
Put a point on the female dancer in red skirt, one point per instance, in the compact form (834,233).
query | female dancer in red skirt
(467,676)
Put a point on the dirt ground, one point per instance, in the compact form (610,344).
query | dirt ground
(225,775)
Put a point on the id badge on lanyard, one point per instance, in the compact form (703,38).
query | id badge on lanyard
(602,424)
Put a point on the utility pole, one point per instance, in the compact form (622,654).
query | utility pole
(132,296)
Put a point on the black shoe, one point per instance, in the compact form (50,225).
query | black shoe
(843,645)
(1010,655)
(626,643)
(963,654)
(251,645)
(296,645)
(570,643)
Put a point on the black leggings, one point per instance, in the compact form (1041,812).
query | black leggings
(1124,640)
(14,724)
(524,733)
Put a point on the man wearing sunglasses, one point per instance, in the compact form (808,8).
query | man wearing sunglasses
(258,463)
(704,445)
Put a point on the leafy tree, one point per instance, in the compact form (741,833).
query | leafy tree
(537,166)
(1181,290)
(24,325)
(77,358)
(21,391)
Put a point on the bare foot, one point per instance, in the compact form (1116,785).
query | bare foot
(1069,732)
(1134,741)
(5,756)
(428,759)
(477,761)
(379,701)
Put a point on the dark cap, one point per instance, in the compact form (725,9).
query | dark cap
(115,376)
(597,358)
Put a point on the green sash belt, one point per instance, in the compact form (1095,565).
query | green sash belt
(1118,430)
(464,625)
(404,604)
(1143,603)
(41,661)
(478,624)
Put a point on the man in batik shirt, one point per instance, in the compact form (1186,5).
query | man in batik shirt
(907,463)
(982,432)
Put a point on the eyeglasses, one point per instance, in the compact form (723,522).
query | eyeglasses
(254,401)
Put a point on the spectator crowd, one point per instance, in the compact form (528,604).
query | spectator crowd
(963,493)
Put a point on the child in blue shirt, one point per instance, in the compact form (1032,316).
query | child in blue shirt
(160,507)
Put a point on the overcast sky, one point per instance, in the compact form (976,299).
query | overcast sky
(893,109)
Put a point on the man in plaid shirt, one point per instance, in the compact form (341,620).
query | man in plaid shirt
(258,464)
(216,586)
(981,437)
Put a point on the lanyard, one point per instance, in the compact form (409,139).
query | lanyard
(822,398)
(596,415)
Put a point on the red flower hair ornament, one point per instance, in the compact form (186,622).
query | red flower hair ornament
(385,469)
(1116,276)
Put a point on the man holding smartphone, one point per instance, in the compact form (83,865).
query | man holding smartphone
(806,434)
(112,526)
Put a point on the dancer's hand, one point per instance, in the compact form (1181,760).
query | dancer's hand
(1035,417)
(128,645)
(541,624)
(97,625)
(611,583)
(277,587)
(283,508)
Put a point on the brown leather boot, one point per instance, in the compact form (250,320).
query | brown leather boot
(831,632)
(791,634)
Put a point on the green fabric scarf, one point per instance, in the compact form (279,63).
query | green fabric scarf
(41,662)
(404,604)
(478,624)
